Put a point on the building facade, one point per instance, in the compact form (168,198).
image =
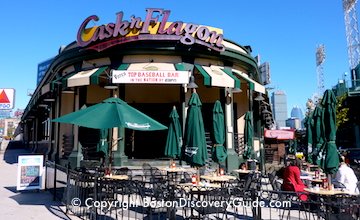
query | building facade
(279,106)
(296,112)
(294,123)
(150,67)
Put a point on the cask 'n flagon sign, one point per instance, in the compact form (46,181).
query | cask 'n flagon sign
(154,27)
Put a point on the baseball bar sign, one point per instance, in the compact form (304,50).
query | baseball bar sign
(150,77)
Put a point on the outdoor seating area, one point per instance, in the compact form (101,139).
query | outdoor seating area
(183,193)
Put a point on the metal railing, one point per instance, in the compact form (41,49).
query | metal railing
(155,195)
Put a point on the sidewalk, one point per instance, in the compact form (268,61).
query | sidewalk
(28,204)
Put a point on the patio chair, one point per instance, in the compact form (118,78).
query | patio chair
(147,171)
(157,191)
(211,195)
(338,184)
(186,178)
(273,180)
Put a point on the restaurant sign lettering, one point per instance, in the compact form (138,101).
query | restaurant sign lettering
(150,77)
(154,27)
(280,134)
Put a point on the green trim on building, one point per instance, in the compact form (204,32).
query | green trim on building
(94,78)
(251,84)
(123,66)
(54,82)
(237,83)
(179,67)
(64,80)
(207,77)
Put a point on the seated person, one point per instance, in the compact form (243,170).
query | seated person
(243,166)
(346,176)
(291,178)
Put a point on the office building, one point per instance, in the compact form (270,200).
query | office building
(279,105)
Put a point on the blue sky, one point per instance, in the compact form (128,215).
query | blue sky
(284,33)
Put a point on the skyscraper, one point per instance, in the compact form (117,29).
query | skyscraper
(296,112)
(279,104)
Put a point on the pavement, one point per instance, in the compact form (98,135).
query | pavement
(35,204)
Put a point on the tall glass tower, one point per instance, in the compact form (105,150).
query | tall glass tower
(296,112)
(279,104)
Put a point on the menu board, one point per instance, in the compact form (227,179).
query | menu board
(30,170)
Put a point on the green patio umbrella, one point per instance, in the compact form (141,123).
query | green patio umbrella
(318,133)
(309,125)
(103,146)
(219,153)
(248,136)
(329,155)
(110,113)
(174,136)
(293,146)
(195,152)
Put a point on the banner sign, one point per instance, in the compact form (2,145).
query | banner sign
(155,26)
(30,171)
(42,68)
(150,77)
(280,134)
(7,97)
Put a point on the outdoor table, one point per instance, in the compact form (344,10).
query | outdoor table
(197,192)
(312,173)
(175,169)
(117,177)
(316,181)
(326,192)
(240,171)
(200,185)
(224,178)
(309,177)
(328,198)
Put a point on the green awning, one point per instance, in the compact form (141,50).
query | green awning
(207,77)
(85,77)
(230,73)
(94,78)
(253,85)
(218,76)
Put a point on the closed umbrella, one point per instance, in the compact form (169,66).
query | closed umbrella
(318,139)
(309,125)
(219,153)
(248,136)
(195,152)
(293,146)
(329,154)
(103,146)
(174,137)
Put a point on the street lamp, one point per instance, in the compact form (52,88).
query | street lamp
(260,99)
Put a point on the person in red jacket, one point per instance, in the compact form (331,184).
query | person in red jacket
(291,179)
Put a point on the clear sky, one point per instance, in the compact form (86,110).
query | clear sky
(284,33)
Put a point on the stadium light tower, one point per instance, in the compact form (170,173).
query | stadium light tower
(320,58)
(352,32)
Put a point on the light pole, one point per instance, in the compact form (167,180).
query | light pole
(259,99)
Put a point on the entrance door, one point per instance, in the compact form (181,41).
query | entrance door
(149,144)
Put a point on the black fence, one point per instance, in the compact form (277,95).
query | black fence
(151,194)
